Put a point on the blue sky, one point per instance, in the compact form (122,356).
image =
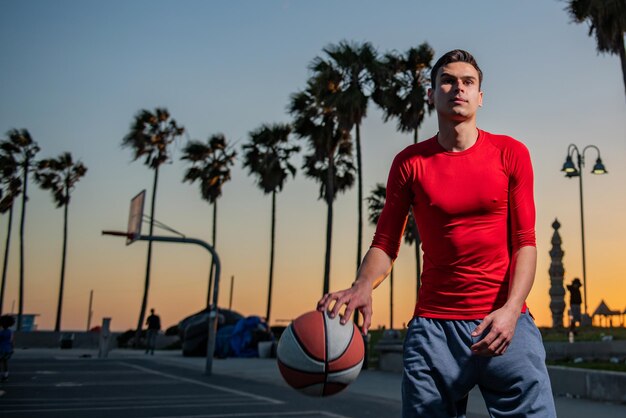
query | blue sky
(75,72)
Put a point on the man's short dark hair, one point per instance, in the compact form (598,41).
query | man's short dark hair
(457,55)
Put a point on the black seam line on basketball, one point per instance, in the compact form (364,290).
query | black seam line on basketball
(302,372)
(334,372)
(345,350)
(298,370)
(325,353)
(299,341)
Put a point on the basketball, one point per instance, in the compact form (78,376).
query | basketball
(318,356)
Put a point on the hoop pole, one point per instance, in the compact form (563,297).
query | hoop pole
(210,350)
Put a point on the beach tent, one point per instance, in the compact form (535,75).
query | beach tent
(603,312)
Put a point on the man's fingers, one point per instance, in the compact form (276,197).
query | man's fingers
(323,302)
(482,326)
(367,321)
(347,314)
(339,302)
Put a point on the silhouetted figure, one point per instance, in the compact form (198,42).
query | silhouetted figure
(154,325)
(575,300)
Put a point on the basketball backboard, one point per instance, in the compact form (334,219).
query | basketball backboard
(135,217)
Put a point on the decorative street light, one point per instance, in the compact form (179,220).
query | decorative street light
(575,169)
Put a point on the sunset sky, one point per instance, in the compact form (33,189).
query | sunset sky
(74,73)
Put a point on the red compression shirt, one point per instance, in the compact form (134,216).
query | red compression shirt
(473,209)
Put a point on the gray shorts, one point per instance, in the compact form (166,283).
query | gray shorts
(440,370)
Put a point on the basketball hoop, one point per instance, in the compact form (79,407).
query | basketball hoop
(118,234)
(133,233)
(135,217)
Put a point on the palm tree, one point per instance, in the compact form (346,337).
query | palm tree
(267,157)
(607,19)
(330,161)
(354,63)
(23,148)
(401,92)
(10,188)
(150,135)
(210,167)
(401,86)
(376,203)
(60,175)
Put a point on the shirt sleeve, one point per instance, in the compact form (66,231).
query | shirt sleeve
(393,218)
(521,198)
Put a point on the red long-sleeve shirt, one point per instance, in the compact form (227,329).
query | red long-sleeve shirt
(473,208)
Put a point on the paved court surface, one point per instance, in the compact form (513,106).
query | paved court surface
(137,387)
(73,383)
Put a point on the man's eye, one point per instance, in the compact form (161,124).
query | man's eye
(469,82)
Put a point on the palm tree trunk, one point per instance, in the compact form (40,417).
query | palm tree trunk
(418,264)
(144,300)
(5,264)
(622,57)
(418,241)
(57,325)
(20,304)
(273,238)
(330,197)
(212,271)
(359,240)
(391,299)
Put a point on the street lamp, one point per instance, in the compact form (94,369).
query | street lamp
(571,169)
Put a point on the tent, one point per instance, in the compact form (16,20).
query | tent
(604,312)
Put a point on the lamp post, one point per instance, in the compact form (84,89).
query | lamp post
(575,169)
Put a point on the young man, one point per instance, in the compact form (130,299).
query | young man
(472,197)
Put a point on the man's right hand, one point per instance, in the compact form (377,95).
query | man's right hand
(359,296)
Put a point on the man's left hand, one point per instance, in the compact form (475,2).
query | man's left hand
(501,324)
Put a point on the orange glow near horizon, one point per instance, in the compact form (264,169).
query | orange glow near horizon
(76,73)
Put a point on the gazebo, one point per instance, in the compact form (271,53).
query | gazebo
(604,312)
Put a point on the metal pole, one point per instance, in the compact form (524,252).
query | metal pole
(582,230)
(89,311)
(213,309)
(230,302)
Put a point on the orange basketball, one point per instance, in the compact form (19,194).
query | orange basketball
(318,356)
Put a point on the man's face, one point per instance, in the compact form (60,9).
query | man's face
(456,95)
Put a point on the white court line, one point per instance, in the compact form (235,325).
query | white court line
(124,398)
(263,414)
(86,406)
(208,385)
(79,372)
(86,384)
(134,402)
(130,407)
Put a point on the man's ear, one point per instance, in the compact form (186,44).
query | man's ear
(480,99)
(429,93)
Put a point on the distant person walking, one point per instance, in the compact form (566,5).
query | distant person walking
(574,301)
(154,325)
(6,345)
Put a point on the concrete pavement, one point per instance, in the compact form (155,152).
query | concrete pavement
(370,383)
